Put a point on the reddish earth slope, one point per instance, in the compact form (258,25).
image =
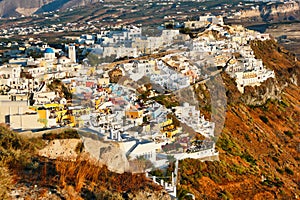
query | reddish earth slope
(260,143)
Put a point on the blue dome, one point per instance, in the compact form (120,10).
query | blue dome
(49,50)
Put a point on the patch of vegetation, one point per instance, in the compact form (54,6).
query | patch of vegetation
(284,103)
(157,172)
(275,159)
(249,158)
(280,171)
(79,148)
(224,194)
(238,169)
(5,181)
(273,183)
(65,134)
(289,171)
(264,119)
(184,194)
(167,100)
(247,137)
(16,153)
(264,107)
(115,75)
(288,133)
(59,86)
(185,30)
(229,145)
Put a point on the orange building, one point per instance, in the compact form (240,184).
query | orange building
(134,113)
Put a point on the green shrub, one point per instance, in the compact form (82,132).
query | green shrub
(79,147)
(157,172)
(228,145)
(224,194)
(264,119)
(271,183)
(275,159)
(238,169)
(289,171)
(249,158)
(288,133)
(247,137)
(215,178)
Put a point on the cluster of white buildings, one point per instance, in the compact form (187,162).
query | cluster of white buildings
(37,30)
(190,116)
(204,21)
(129,42)
(24,83)
(170,74)
(143,130)
(229,47)
(24,75)
(248,70)
(116,111)
(169,79)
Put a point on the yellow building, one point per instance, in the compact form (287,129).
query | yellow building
(169,129)
(134,113)
(165,123)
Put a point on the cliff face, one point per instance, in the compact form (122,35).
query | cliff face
(250,13)
(260,142)
(289,7)
(284,11)
(286,68)
(275,57)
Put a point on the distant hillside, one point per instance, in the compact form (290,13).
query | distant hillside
(9,8)
(20,7)
(64,4)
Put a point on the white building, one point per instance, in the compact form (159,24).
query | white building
(252,78)
(72,53)
(120,51)
(49,54)
(190,116)
(11,76)
(145,149)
